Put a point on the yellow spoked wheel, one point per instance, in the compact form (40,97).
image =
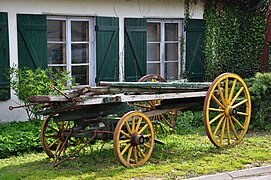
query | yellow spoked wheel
(168,118)
(133,139)
(56,137)
(227,110)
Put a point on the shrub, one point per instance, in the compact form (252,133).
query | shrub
(19,137)
(260,89)
(26,82)
(188,121)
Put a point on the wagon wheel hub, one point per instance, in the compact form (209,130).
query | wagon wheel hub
(229,111)
(137,139)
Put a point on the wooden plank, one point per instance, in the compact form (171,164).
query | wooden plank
(103,99)
(137,90)
(174,84)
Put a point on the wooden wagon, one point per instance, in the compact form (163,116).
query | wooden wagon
(127,111)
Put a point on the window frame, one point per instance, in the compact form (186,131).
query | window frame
(163,43)
(68,41)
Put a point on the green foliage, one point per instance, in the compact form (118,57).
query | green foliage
(260,89)
(234,38)
(182,157)
(19,137)
(188,121)
(26,82)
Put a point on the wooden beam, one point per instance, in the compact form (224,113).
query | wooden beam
(174,84)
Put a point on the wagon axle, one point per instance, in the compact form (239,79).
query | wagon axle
(229,111)
(137,139)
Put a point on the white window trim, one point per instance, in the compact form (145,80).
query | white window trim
(92,53)
(163,42)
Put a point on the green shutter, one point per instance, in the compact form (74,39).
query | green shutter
(32,41)
(107,49)
(135,48)
(4,57)
(194,50)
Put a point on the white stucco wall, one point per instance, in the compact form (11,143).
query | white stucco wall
(116,8)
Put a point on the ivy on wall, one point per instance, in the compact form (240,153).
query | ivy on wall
(234,38)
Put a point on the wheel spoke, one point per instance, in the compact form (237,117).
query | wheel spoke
(141,152)
(135,154)
(129,154)
(214,119)
(133,124)
(165,120)
(125,149)
(217,110)
(218,125)
(138,124)
(239,124)
(125,134)
(143,106)
(228,131)
(242,113)
(124,141)
(159,118)
(58,147)
(148,135)
(52,128)
(146,145)
(67,124)
(53,142)
(232,89)
(221,94)
(143,128)
(218,102)
(240,103)
(223,131)
(236,96)
(226,90)
(128,127)
(49,136)
(57,125)
(152,104)
(233,129)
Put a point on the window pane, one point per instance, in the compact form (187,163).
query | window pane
(58,68)
(171,30)
(171,71)
(153,32)
(56,30)
(171,52)
(56,53)
(80,74)
(79,53)
(153,68)
(79,31)
(153,52)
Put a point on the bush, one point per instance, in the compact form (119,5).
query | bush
(188,121)
(19,137)
(260,89)
(26,82)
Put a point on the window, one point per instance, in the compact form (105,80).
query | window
(163,57)
(70,48)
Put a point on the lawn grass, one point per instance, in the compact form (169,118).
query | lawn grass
(184,155)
